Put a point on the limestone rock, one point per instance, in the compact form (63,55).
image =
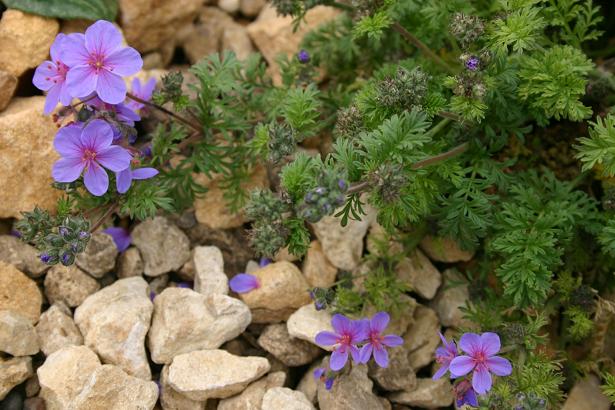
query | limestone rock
(429,394)
(24,40)
(350,392)
(114,322)
(587,395)
(451,297)
(8,84)
(421,339)
(289,350)
(274,34)
(343,245)
(207,374)
(209,275)
(149,24)
(306,322)
(419,273)
(399,375)
(206,36)
(378,238)
(317,269)
(109,387)
(56,329)
(19,293)
(282,289)
(164,247)
(251,8)
(19,254)
(308,385)
(172,400)
(64,374)
(230,6)
(17,335)
(185,321)
(69,284)
(130,263)
(13,372)
(236,39)
(444,250)
(23,127)
(284,398)
(252,397)
(99,256)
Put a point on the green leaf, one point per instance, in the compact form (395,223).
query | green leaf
(67,9)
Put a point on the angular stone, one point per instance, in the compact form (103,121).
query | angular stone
(308,385)
(23,126)
(24,40)
(278,398)
(289,350)
(8,84)
(56,329)
(185,321)
(19,293)
(379,240)
(418,272)
(109,387)
(209,271)
(99,256)
(21,255)
(429,394)
(236,39)
(206,36)
(230,6)
(399,375)
(114,322)
(251,8)
(17,335)
(317,269)
(587,395)
(350,392)
(69,284)
(207,374)
(421,339)
(164,247)
(64,374)
(13,372)
(252,397)
(444,250)
(451,297)
(130,263)
(306,322)
(282,288)
(172,400)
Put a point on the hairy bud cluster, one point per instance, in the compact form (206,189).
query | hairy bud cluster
(322,297)
(469,84)
(405,90)
(367,7)
(171,89)
(268,233)
(466,29)
(295,7)
(530,401)
(324,199)
(282,141)
(349,122)
(389,180)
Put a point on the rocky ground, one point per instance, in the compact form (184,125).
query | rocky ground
(156,326)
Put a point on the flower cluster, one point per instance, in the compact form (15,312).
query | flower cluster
(71,238)
(360,339)
(325,198)
(480,361)
(91,67)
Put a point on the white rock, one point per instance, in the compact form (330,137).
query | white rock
(429,394)
(172,400)
(350,391)
(13,372)
(317,269)
(209,271)
(421,339)
(453,295)
(308,385)
(56,329)
(251,8)
(284,398)
(419,273)
(214,373)
(69,284)
(185,320)
(306,322)
(17,335)
(114,322)
(99,256)
(289,350)
(236,39)
(587,395)
(252,397)
(230,6)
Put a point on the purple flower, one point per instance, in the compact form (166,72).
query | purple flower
(50,76)
(481,358)
(144,92)
(264,262)
(321,374)
(45,257)
(244,282)
(124,178)
(303,56)
(88,149)
(123,113)
(473,63)
(376,342)
(348,333)
(98,61)
(465,394)
(120,236)
(444,356)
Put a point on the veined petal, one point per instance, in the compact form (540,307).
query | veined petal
(499,366)
(67,169)
(68,142)
(114,158)
(110,87)
(381,356)
(243,283)
(440,372)
(326,338)
(392,340)
(470,398)
(338,359)
(43,75)
(52,99)
(490,343)
(379,322)
(356,356)
(341,324)
(123,180)
(365,353)
(144,173)
(124,61)
(102,38)
(120,236)
(65,97)
(461,365)
(97,136)
(56,47)
(360,330)
(73,52)
(81,81)
(318,372)
(470,343)
(96,179)
(481,380)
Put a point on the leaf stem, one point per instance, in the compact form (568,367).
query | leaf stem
(104,217)
(422,47)
(164,110)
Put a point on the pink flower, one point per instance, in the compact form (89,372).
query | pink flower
(50,76)
(376,342)
(348,333)
(444,356)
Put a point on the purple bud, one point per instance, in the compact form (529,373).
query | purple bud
(329,383)
(45,257)
(319,305)
(319,372)
(83,235)
(152,295)
(310,198)
(303,56)
(320,190)
(66,258)
(264,262)
(74,247)
(147,151)
(342,184)
(64,231)
(244,282)
(327,208)
(472,63)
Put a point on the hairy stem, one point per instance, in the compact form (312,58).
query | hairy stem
(104,217)
(179,118)
(422,47)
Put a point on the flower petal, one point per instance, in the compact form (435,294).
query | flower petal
(110,87)
(381,356)
(43,75)
(365,353)
(65,97)
(67,169)
(81,81)
(392,340)
(53,97)
(326,338)
(125,61)
(68,141)
(120,236)
(379,322)
(56,47)
(338,359)
(96,179)
(461,365)
(243,283)
(318,372)
(73,52)
(440,372)
(359,330)
(97,136)
(470,343)
(123,180)
(490,343)
(114,158)
(481,380)
(470,398)
(356,354)
(102,38)
(144,173)
(341,324)
(499,366)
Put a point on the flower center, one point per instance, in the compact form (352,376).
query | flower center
(97,62)
(480,358)
(344,340)
(89,155)
(376,339)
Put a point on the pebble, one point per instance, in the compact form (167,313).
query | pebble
(586,394)
(204,322)
(56,329)
(8,85)
(130,263)
(453,295)
(422,338)
(399,375)
(318,271)
(289,350)
(209,275)
(418,272)
(230,6)
(206,35)
(236,39)
(446,250)
(99,256)
(172,400)
(429,394)
(18,253)
(306,322)
(308,385)
(19,293)
(278,398)
(164,247)
(69,284)
(17,335)
(252,397)
(13,372)
(114,322)
(251,8)
(199,375)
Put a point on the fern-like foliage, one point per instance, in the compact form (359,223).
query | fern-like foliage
(598,150)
